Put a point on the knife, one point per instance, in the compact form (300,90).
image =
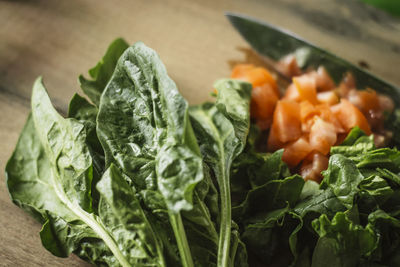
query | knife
(274,43)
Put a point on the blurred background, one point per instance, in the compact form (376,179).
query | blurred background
(62,39)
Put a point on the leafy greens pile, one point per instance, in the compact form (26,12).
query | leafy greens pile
(139,178)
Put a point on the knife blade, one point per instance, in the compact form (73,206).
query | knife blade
(274,43)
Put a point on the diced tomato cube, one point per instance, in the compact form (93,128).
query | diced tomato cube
(350,116)
(296,151)
(263,102)
(324,80)
(313,165)
(322,136)
(292,93)
(328,97)
(306,86)
(286,120)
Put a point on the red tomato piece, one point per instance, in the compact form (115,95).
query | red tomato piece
(306,86)
(286,121)
(263,102)
(296,151)
(322,136)
(350,116)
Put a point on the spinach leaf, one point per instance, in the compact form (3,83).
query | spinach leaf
(52,181)
(29,173)
(353,136)
(144,128)
(202,220)
(360,146)
(275,194)
(80,109)
(380,158)
(238,249)
(63,141)
(221,131)
(343,177)
(377,187)
(324,202)
(341,242)
(122,215)
(102,72)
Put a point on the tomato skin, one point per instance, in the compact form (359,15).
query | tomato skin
(294,152)
(313,165)
(288,66)
(307,88)
(328,97)
(327,115)
(257,76)
(350,116)
(286,121)
(263,102)
(322,136)
(307,114)
(364,100)
(307,110)
(292,93)
(323,80)
(273,142)
(264,95)
(240,70)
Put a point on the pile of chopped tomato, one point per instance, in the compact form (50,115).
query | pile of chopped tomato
(313,115)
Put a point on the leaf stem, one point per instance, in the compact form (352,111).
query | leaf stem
(91,221)
(226,224)
(180,235)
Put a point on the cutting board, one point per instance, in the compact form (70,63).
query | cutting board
(62,39)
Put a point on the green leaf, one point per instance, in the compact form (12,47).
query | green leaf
(29,174)
(143,125)
(103,71)
(310,188)
(275,194)
(144,128)
(376,187)
(355,144)
(221,131)
(63,141)
(388,228)
(341,242)
(325,202)
(201,222)
(61,238)
(52,180)
(343,177)
(268,236)
(238,249)
(259,168)
(353,136)
(80,109)
(392,177)
(380,158)
(122,215)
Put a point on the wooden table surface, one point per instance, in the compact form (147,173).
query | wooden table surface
(62,39)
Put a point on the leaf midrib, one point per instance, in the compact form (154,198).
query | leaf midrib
(96,226)
(225,228)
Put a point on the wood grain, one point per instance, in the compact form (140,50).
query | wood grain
(62,39)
